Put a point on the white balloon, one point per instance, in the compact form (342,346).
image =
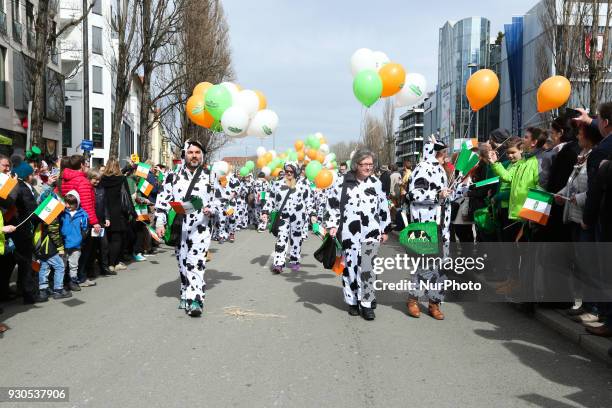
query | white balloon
(362,59)
(266,170)
(220,168)
(319,135)
(324,148)
(264,123)
(261,151)
(273,153)
(233,90)
(412,92)
(380,59)
(248,101)
(234,121)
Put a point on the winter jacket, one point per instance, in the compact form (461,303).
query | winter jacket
(562,166)
(522,176)
(48,240)
(577,186)
(77,180)
(25,203)
(73,228)
(112,191)
(101,208)
(592,203)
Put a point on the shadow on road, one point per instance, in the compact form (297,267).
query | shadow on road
(212,276)
(260,260)
(544,355)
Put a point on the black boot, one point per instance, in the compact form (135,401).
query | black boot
(43,296)
(367,313)
(353,310)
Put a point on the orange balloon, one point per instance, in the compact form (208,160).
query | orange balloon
(268,157)
(299,145)
(482,88)
(324,179)
(320,157)
(393,77)
(276,172)
(553,93)
(312,154)
(201,88)
(229,211)
(261,162)
(263,103)
(196,112)
(300,155)
(322,141)
(223,181)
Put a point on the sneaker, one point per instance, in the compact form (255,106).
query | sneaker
(232,238)
(183,304)
(585,318)
(139,258)
(87,283)
(120,267)
(110,271)
(353,310)
(195,309)
(221,241)
(74,287)
(260,231)
(295,266)
(63,294)
(277,269)
(367,313)
(43,296)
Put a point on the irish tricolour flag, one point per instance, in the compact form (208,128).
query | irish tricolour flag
(7,184)
(186,207)
(143,170)
(49,209)
(145,187)
(142,211)
(537,206)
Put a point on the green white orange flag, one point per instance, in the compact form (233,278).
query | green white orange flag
(49,209)
(145,187)
(487,182)
(537,206)
(7,184)
(467,159)
(142,211)
(143,170)
(186,207)
(153,234)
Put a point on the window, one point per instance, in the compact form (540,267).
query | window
(2,76)
(97,127)
(96,40)
(67,127)
(97,80)
(97,7)
(15,9)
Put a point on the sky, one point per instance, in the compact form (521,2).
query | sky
(298,54)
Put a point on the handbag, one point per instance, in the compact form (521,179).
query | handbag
(420,238)
(127,206)
(174,222)
(275,215)
(326,254)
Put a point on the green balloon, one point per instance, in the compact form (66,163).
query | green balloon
(309,140)
(250,165)
(315,144)
(274,163)
(367,87)
(312,169)
(216,126)
(332,157)
(244,171)
(293,156)
(36,150)
(218,99)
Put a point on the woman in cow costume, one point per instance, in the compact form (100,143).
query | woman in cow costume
(296,208)
(358,215)
(429,196)
(261,191)
(226,192)
(195,235)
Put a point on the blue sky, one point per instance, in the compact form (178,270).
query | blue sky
(298,53)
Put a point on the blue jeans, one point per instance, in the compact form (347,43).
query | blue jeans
(57,263)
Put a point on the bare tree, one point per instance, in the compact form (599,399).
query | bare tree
(46,38)
(373,135)
(388,120)
(343,150)
(125,63)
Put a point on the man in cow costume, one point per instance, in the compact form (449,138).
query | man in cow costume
(261,191)
(429,196)
(195,235)
(297,208)
(358,215)
(226,193)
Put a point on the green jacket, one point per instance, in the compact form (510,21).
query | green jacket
(522,176)
(502,197)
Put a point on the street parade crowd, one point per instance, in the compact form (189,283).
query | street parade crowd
(64,225)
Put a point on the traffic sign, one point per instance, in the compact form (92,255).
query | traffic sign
(87,145)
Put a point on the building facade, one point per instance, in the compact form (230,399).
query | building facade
(464,48)
(17,44)
(409,136)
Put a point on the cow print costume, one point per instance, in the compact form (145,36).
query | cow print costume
(260,186)
(226,220)
(298,207)
(364,219)
(195,235)
(242,206)
(426,182)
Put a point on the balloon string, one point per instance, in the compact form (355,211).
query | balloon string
(531,118)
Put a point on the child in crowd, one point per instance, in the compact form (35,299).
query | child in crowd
(74,225)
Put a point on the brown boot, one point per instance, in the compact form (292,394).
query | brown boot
(434,311)
(413,307)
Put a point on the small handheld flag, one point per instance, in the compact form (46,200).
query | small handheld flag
(7,183)
(153,233)
(186,207)
(487,182)
(143,170)
(537,206)
(467,159)
(49,209)
(142,211)
(145,187)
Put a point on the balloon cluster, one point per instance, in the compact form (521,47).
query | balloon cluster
(248,168)
(313,152)
(227,108)
(374,76)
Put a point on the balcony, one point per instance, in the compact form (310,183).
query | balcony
(31,39)
(17,31)
(3,23)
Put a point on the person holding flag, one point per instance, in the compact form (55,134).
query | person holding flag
(190,182)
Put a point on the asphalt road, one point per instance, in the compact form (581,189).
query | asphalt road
(285,341)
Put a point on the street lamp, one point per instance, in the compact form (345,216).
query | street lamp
(473,66)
